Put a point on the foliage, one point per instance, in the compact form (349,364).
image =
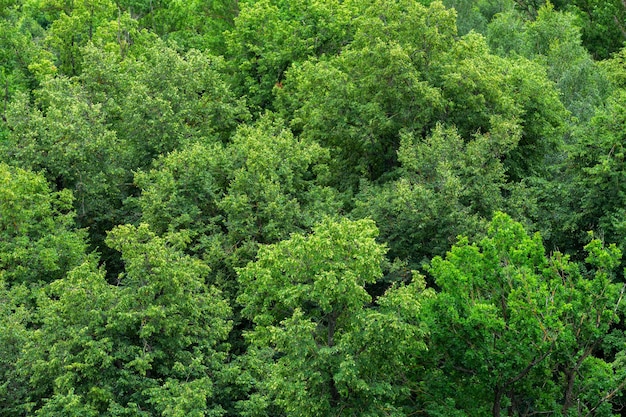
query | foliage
(597,164)
(446,188)
(70,143)
(158,100)
(258,189)
(152,344)
(370,91)
(16,316)
(269,35)
(456,82)
(533,323)
(90,133)
(225,208)
(554,39)
(188,24)
(602,24)
(24,62)
(74,27)
(38,242)
(476,15)
(307,299)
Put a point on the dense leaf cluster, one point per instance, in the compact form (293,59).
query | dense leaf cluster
(312,208)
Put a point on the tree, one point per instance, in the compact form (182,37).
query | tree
(365,116)
(172,325)
(187,24)
(475,15)
(554,40)
(429,77)
(533,325)
(39,243)
(38,239)
(74,27)
(16,318)
(270,35)
(330,351)
(446,187)
(258,189)
(69,141)
(24,61)
(602,24)
(90,133)
(152,344)
(375,87)
(158,100)
(195,24)
(517,91)
(596,166)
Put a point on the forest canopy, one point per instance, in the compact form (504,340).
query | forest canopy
(312,208)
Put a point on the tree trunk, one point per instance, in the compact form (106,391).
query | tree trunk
(569,400)
(497,401)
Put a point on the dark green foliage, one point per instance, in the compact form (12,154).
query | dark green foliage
(158,100)
(23,60)
(476,15)
(385,82)
(554,40)
(447,188)
(602,24)
(90,133)
(597,165)
(66,136)
(482,88)
(188,24)
(374,88)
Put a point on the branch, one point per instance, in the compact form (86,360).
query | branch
(607,397)
(526,370)
(619,300)
(619,25)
